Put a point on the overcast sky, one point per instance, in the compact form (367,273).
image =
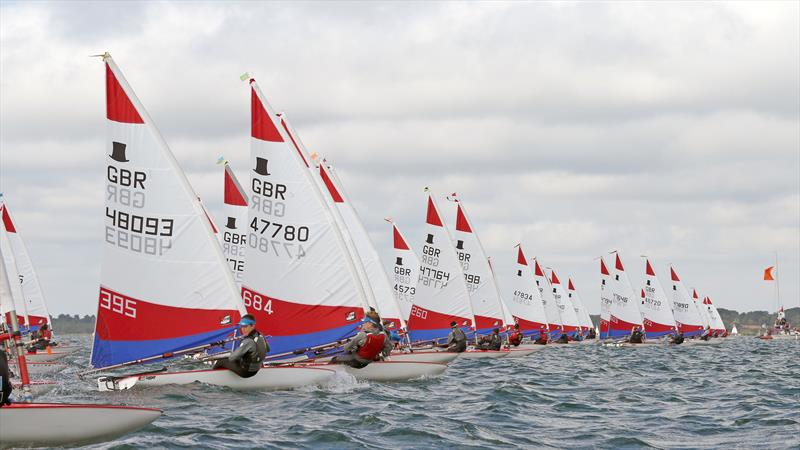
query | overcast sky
(663,129)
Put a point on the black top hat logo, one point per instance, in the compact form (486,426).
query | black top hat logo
(648,282)
(261,166)
(429,240)
(460,245)
(231,223)
(399,261)
(519,273)
(118,152)
(616,277)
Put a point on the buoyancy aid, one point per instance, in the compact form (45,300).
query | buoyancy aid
(515,338)
(372,346)
(252,360)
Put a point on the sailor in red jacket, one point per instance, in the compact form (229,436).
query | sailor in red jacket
(515,338)
(365,347)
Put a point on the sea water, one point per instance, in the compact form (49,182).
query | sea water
(741,393)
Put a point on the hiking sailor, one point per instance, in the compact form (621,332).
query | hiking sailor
(491,342)
(246,360)
(456,340)
(365,347)
(515,338)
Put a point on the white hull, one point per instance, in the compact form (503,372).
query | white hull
(37,388)
(529,346)
(44,424)
(424,356)
(518,352)
(40,368)
(392,370)
(267,379)
(43,356)
(484,354)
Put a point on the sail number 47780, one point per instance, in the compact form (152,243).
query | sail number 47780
(256,302)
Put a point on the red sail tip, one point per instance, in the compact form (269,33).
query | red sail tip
(461,221)
(603,269)
(119,107)
(521,257)
(7,223)
(537,269)
(694,293)
(335,195)
(234,195)
(399,242)
(261,126)
(673,274)
(554,278)
(433,215)
(649,268)
(570,286)
(619,263)
(642,293)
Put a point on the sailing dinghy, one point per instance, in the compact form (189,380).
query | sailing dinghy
(687,316)
(525,304)
(484,296)
(50,424)
(656,310)
(580,310)
(569,320)
(234,233)
(312,296)
(624,314)
(165,287)
(548,302)
(605,301)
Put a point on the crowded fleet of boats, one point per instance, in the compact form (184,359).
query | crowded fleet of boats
(294,260)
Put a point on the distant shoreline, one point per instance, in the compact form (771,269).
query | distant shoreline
(748,323)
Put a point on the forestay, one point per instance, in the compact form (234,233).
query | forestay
(526,301)
(376,275)
(164,284)
(300,282)
(442,295)
(687,316)
(580,309)
(233,237)
(548,302)
(624,314)
(405,271)
(17,301)
(483,293)
(656,309)
(32,295)
(569,320)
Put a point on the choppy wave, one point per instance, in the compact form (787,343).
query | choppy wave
(743,393)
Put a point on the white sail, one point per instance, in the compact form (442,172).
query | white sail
(606,296)
(525,302)
(717,325)
(624,314)
(15,299)
(569,319)
(300,281)
(234,217)
(550,306)
(34,302)
(376,274)
(483,293)
(442,296)
(405,271)
(687,316)
(656,309)
(701,309)
(580,308)
(164,283)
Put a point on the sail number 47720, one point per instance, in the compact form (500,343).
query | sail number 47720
(256,302)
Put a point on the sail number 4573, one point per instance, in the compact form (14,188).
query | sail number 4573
(256,302)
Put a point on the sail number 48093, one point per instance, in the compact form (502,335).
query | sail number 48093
(257,302)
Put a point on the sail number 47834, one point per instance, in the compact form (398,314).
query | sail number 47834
(256,302)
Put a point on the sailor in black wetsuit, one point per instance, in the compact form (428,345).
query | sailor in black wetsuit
(637,337)
(456,340)
(246,360)
(491,342)
(5,380)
